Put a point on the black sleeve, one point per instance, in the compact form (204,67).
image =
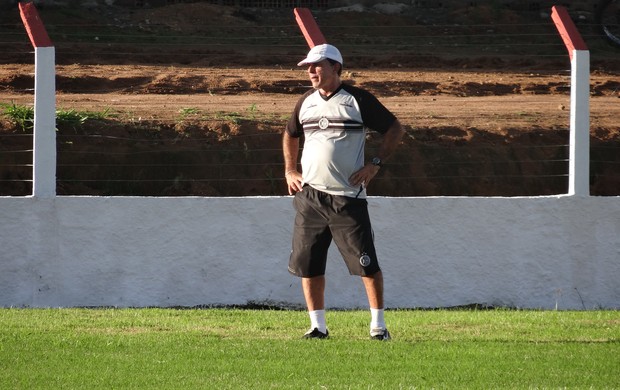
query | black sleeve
(294,128)
(374,114)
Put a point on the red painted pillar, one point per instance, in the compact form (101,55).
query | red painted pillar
(308,26)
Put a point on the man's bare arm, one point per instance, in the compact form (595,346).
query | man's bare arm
(290,148)
(391,139)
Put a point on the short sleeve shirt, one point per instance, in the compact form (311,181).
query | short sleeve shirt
(334,130)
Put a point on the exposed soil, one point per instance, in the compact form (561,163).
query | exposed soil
(212,130)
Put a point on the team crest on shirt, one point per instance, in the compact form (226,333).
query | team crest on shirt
(323,123)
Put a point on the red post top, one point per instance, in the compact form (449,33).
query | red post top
(567,29)
(308,27)
(34,25)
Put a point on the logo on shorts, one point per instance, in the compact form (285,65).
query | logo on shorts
(323,123)
(365,260)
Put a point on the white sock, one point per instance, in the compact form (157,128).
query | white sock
(317,320)
(377,320)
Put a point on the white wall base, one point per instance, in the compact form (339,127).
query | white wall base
(545,252)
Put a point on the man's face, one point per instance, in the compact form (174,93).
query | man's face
(324,75)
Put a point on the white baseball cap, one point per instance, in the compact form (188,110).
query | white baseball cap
(320,53)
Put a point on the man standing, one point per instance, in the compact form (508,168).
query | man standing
(330,191)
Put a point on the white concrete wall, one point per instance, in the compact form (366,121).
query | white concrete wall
(542,252)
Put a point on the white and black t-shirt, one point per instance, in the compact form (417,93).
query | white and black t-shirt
(334,130)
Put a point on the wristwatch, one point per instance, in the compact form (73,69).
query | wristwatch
(377,161)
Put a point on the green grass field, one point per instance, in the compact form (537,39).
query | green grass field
(263,349)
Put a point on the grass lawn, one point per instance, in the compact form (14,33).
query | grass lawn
(263,349)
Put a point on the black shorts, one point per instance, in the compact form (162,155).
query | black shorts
(322,217)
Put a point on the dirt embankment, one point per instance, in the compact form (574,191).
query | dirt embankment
(475,126)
